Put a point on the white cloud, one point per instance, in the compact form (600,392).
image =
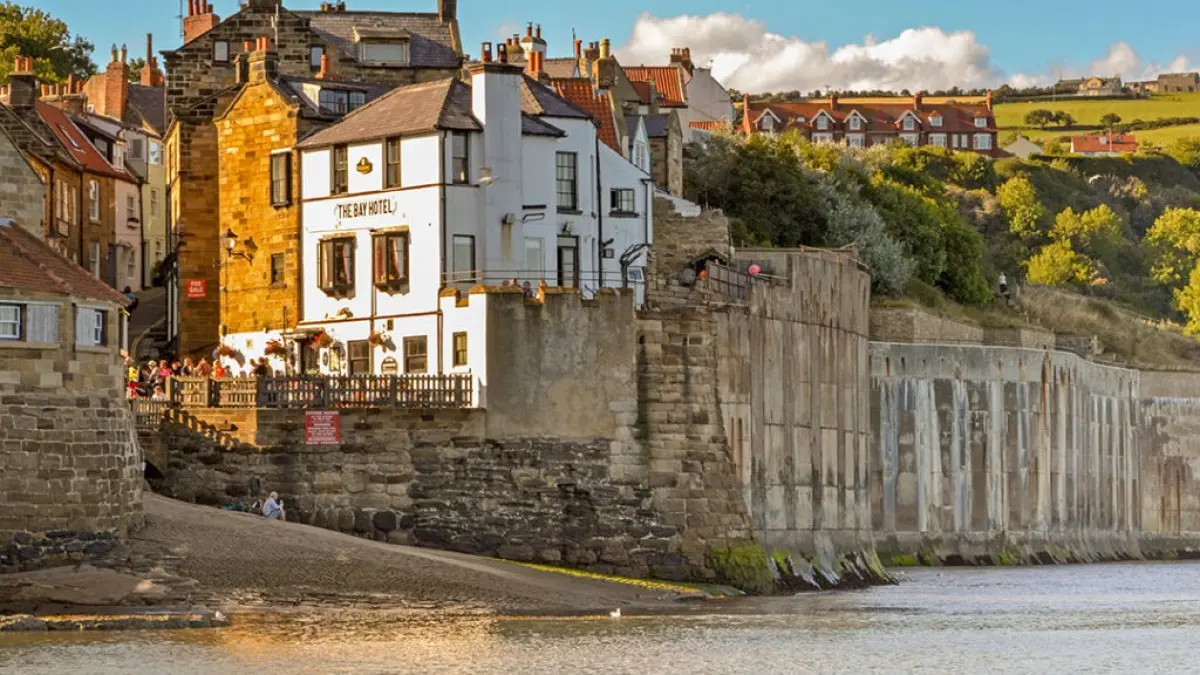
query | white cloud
(746,56)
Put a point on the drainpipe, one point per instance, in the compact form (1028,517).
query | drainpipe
(442,228)
(142,215)
(79,212)
(599,218)
(298,204)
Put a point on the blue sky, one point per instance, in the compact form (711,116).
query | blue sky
(1030,37)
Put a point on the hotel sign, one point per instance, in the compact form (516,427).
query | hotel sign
(363,208)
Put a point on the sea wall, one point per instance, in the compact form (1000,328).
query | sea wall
(995,454)
(1170,418)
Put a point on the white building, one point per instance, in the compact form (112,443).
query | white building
(445,186)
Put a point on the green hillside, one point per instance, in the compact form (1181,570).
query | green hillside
(1087,113)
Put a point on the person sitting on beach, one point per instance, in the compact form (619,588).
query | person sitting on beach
(273,507)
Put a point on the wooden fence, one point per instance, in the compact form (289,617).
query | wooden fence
(321,391)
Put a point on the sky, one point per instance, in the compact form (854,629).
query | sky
(779,45)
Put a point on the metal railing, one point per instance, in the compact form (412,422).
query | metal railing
(455,390)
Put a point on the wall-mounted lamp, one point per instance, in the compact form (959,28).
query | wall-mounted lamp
(230,241)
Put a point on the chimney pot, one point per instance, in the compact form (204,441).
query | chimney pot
(124,53)
(324,73)
(538,31)
(486,52)
(604,48)
(529,29)
(578,49)
(502,53)
(248,46)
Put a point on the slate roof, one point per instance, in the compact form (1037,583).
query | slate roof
(431,41)
(76,144)
(557,67)
(656,126)
(597,104)
(539,99)
(418,108)
(668,80)
(29,264)
(532,126)
(151,104)
(292,87)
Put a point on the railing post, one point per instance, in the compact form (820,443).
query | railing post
(210,393)
(394,383)
(260,394)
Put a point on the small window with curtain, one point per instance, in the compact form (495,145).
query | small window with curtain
(391,260)
(90,329)
(463,258)
(621,201)
(460,153)
(460,350)
(335,266)
(11,322)
(334,101)
(416,354)
(392,175)
(340,173)
(281,179)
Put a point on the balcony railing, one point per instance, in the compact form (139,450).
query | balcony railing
(588,283)
(148,414)
(454,390)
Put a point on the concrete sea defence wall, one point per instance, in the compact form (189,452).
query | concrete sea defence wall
(997,454)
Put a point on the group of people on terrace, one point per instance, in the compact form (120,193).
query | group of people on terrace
(150,381)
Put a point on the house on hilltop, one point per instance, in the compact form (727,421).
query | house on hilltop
(1103,145)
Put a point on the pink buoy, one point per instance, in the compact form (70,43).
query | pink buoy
(754,270)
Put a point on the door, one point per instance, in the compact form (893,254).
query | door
(111,269)
(568,261)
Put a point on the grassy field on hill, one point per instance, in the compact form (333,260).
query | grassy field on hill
(1089,112)
(1160,137)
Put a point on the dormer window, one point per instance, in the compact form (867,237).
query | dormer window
(855,123)
(378,47)
(935,121)
(768,123)
(340,101)
(800,120)
(981,122)
(822,123)
(909,123)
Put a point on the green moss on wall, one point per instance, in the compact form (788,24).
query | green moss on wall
(743,566)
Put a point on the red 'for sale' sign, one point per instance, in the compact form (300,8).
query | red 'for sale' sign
(197,288)
(322,427)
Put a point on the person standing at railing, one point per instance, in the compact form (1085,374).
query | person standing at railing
(219,369)
(204,368)
(159,394)
(187,369)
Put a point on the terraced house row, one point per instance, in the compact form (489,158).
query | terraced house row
(960,123)
(334,174)
(96,149)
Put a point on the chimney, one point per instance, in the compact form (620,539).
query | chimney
(529,30)
(604,69)
(116,85)
(241,63)
(917,98)
(833,100)
(264,62)
(592,52)
(502,53)
(496,103)
(989,100)
(578,49)
(533,42)
(323,73)
(23,84)
(199,20)
(151,76)
(747,123)
(537,33)
(605,46)
(447,10)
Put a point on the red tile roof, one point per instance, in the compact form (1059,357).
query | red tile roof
(1104,143)
(75,143)
(708,125)
(27,263)
(579,91)
(882,115)
(667,79)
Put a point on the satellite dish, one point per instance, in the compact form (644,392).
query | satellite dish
(687,277)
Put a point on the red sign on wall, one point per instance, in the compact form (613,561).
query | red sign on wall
(197,288)
(322,427)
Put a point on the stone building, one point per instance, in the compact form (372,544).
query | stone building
(60,172)
(22,191)
(383,48)
(73,467)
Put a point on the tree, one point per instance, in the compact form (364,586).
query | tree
(1077,240)
(1019,201)
(1059,264)
(1187,299)
(1110,120)
(1039,118)
(28,31)
(1175,238)
(135,68)
(1063,119)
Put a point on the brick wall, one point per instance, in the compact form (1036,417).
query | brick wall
(257,123)
(195,199)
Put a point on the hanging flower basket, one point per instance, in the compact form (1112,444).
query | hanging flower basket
(322,340)
(224,350)
(276,348)
(377,339)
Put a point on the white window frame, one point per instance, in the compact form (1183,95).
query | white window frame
(94,200)
(937,140)
(12,322)
(856,140)
(912,139)
(94,258)
(982,142)
(822,122)
(768,123)
(315,52)
(981,122)
(909,123)
(364,55)
(220,52)
(155,158)
(90,326)
(935,121)
(535,272)
(855,123)
(826,137)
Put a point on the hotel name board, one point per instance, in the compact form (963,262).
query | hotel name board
(364,208)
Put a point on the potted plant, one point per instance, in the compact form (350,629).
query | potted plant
(377,339)
(322,340)
(276,348)
(224,350)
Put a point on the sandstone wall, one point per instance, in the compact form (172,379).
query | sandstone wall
(70,467)
(1003,453)
(1170,418)
(22,190)
(195,204)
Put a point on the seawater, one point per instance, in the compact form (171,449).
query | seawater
(1118,618)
